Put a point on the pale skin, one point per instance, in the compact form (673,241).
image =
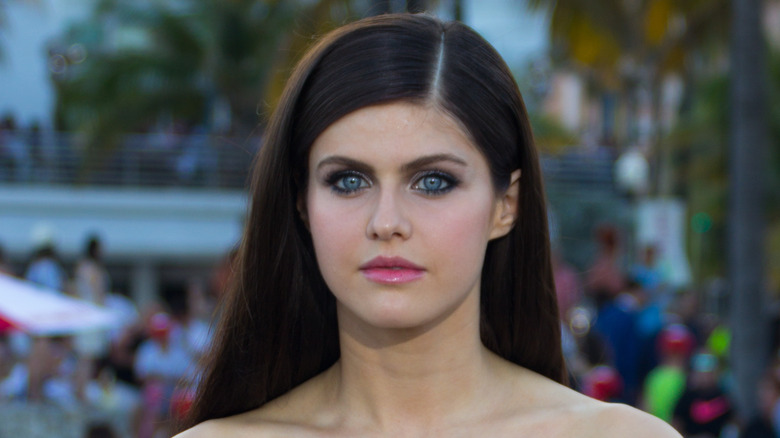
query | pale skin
(404,180)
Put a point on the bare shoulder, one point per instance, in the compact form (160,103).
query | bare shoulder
(242,426)
(294,414)
(556,410)
(588,417)
(618,420)
(205,429)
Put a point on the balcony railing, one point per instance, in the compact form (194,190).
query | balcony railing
(140,160)
(206,161)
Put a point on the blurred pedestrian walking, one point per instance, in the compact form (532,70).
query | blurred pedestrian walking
(92,284)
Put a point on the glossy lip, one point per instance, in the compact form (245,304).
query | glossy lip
(391,270)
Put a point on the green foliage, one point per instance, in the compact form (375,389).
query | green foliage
(150,62)
(613,38)
(700,143)
(622,48)
(153,63)
(551,137)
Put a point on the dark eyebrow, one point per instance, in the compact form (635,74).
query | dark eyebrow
(431,159)
(412,165)
(347,162)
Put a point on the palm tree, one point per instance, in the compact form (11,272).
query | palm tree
(624,49)
(186,60)
(183,60)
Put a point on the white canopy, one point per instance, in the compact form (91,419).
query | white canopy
(45,312)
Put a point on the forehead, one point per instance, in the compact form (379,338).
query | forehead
(398,128)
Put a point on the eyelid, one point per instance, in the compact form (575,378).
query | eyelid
(334,175)
(434,172)
(451,180)
(333,178)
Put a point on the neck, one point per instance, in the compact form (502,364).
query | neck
(422,375)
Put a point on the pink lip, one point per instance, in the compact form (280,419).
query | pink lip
(391,270)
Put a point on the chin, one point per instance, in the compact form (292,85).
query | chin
(397,314)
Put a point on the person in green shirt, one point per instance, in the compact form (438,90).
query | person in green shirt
(665,383)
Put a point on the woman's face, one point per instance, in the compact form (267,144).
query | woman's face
(401,207)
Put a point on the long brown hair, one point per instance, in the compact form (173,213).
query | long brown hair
(278,326)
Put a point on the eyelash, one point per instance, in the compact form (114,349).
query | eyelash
(336,177)
(450,181)
(333,179)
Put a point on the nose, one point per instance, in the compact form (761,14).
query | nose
(388,219)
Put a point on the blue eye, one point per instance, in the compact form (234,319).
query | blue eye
(435,183)
(350,182)
(346,183)
(432,183)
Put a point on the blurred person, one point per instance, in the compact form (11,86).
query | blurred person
(197,161)
(45,268)
(647,271)
(15,151)
(125,344)
(13,372)
(47,380)
(719,337)
(649,322)
(704,409)
(603,383)
(666,383)
(196,320)
(604,278)
(616,323)
(686,308)
(91,277)
(161,362)
(46,354)
(125,311)
(568,287)
(92,284)
(34,142)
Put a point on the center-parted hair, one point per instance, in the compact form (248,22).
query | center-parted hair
(278,326)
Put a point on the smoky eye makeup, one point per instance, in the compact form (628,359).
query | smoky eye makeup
(434,182)
(429,182)
(346,181)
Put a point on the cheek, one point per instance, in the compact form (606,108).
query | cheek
(335,230)
(461,236)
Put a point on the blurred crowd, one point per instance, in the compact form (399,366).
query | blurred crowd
(176,154)
(138,376)
(628,337)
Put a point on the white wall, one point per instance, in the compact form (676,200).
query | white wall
(159,225)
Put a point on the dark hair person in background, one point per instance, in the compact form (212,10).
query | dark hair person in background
(394,275)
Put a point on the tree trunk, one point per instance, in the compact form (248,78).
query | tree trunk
(749,319)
